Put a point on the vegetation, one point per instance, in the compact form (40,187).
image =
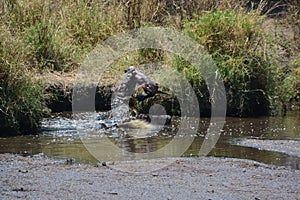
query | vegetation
(288,37)
(22,99)
(290,89)
(241,51)
(260,68)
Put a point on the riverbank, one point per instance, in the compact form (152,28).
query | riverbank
(38,177)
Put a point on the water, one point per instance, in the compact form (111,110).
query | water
(59,138)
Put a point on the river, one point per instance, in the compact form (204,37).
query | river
(256,139)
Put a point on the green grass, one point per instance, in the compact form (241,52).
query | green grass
(243,54)
(22,99)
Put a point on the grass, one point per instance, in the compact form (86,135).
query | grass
(22,99)
(243,55)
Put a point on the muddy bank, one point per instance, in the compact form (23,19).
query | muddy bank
(290,147)
(61,100)
(60,87)
(186,178)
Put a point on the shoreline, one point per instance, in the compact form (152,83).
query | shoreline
(38,177)
(290,147)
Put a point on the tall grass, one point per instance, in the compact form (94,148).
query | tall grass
(244,58)
(286,35)
(22,99)
(58,34)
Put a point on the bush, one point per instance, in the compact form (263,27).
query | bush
(22,100)
(240,50)
(290,90)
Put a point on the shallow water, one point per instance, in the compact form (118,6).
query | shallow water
(59,137)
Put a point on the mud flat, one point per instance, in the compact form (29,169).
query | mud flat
(37,177)
(290,147)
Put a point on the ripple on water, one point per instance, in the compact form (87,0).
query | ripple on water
(60,137)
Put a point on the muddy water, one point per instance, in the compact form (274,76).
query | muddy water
(59,138)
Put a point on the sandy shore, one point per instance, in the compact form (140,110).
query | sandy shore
(185,178)
(290,147)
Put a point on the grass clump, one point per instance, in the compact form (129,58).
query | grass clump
(242,54)
(38,28)
(290,90)
(22,100)
(58,34)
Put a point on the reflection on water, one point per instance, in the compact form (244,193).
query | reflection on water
(59,138)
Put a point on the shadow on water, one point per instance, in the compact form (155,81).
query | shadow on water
(59,138)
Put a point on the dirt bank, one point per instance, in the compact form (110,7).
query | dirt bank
(60,87)
(186,178)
